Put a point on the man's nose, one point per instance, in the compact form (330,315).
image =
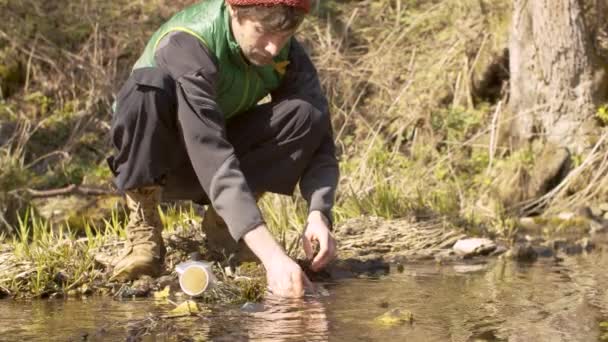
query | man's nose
(272,48)
(273,45)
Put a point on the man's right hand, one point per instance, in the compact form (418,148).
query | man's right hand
(284,276)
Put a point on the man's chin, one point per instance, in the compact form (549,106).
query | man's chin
(259,61)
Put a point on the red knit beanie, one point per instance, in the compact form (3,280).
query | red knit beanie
(303,4)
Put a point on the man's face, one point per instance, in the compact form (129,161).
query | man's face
(258,46)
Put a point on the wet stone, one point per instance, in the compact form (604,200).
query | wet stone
(252,307)
(523,253)
(500,249)
(447,255)
(544,251)
(140,288)
(558,244)
(164,281)
(573,249)
(60,278)
(395,317)
(587,244)
(474,246)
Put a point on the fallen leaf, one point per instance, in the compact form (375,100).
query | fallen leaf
(395,317)
(186,308)
(164,294)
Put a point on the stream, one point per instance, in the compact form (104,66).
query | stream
(501,300)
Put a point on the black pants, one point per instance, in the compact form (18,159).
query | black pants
(274,142)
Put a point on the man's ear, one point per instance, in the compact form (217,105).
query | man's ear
(231,9)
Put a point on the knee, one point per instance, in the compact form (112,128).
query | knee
(315,120)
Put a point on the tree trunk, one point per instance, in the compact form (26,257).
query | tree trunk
(558,73)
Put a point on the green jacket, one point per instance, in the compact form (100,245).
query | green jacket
(241,85)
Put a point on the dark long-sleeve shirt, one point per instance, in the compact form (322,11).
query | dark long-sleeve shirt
(203,126)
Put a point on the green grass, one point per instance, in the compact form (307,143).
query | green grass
(52,258)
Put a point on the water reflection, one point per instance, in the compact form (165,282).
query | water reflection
(272,320)
(293,320)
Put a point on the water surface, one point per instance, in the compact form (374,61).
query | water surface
(499,301)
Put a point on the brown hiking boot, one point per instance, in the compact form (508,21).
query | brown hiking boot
(220,243)
(145,251)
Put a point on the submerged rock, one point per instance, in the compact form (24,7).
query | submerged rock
(252,307)
(523,253)
(474,246)
(446,256)
(544,251)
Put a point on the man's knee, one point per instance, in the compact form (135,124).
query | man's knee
(314,120)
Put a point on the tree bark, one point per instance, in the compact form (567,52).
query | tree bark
(558,71)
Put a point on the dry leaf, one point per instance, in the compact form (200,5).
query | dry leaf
(164,294)
(186,308)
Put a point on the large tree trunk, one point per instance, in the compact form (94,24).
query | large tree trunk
(558,73)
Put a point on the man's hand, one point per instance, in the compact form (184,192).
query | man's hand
(317,232)
(285,278)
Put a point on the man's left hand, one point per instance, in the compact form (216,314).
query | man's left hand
(317,232)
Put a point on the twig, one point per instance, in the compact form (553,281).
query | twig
(494,129)
(71,190)
(29,66)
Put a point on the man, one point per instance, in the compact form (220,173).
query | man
(188,125)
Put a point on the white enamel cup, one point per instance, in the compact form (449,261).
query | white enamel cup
(195,277)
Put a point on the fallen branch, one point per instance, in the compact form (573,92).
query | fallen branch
(71,190)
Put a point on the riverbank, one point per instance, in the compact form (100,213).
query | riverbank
(55,266)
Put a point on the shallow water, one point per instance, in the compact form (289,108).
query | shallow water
(498,301)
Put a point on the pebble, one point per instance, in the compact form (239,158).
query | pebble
(566,216)
(596,212)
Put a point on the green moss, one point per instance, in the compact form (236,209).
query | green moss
(602,114)
(603,331)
